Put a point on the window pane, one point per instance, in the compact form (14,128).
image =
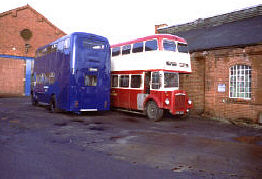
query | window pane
(115,51)
(124,81)
(169,45)
(126,49)
(138,47)
(90,80)
(240,81)
(114,81)
(151,45)
(135,81)
(155,80)
(182,48)
(171,80)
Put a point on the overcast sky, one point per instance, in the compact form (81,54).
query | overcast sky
(122,20)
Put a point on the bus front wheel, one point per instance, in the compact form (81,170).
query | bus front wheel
(154,113)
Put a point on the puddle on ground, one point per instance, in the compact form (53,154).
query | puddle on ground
(181,168)
(249,139)
(77,120)
(60,124)
(97,128)
(130,119)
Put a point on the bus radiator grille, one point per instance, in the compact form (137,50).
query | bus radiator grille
(180,102)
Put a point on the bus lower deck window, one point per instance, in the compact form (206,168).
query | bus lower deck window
(135,81)
(124,81)
(90,80)
(114,81)
(155,80)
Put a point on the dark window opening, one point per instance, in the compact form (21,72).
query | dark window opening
(114,81)
(151,45)
(90,80)
(136,81)
(126,49)
(115,51)
(138,47)
(124,81)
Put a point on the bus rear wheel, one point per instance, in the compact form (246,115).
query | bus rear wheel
(34,100)
(154,113)
(53,107)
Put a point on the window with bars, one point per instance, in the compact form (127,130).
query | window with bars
(240,82)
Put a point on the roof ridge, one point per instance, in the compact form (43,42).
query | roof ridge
(34,11)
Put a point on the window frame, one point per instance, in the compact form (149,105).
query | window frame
(119,82)
(141,81)
(112,77)
(149,41)
(176,50)
(237,74)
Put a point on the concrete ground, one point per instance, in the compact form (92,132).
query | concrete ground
(37,144)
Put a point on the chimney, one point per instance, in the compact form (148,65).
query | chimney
(159,26)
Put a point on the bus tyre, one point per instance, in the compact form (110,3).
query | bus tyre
(154,113)
(34,100)
(53,107)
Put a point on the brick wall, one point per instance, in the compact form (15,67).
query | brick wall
(210,69)
(13,22)
(12,43)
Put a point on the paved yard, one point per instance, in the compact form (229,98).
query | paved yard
(37,144)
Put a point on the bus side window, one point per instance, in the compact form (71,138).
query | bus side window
(114,81)
(115,51)
(60,46)
(67,43)
(169,45)
(151,45)
(126,49)
(51,78)
(138,47)
(124,81)
(136,81)
(155,80)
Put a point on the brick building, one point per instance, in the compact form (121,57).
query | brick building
(226,56)
(22,31)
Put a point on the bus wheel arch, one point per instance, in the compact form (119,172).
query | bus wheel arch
(152,111)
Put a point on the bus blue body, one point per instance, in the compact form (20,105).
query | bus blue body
(73,73)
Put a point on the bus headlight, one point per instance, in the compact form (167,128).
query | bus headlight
(189,102)
(167,101)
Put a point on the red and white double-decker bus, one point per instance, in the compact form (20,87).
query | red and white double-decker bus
(145,75)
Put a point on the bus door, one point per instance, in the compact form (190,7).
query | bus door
(147,82)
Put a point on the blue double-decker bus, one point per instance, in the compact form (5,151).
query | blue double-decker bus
(73,73)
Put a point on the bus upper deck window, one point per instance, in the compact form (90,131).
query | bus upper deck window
(115,51)
(126,49)
(182,48)
(67,43)
(138,47)
(169,45)
(151,45)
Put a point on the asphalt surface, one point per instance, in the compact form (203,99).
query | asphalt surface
(37,144)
